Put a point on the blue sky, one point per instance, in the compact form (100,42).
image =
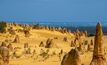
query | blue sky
(54,10)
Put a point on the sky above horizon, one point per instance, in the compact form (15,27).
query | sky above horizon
(53,10)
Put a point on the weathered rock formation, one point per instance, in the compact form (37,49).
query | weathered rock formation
(90,46)
(98,53)
(41,44)
(26,45)
(49,43)
(65,39)
(11,31)
(16,40)
(72,58)
(92,42)
(3,44)
(72,44)
(4,54)
(80,48)
(10,47)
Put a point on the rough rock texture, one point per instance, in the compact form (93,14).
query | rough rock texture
(72,44)
(90,47)
(16,40)
(50,43)
(98,54)
(91,42)
(26,45)
(81,47)
(72,58)
(10,47)
(41,44)
(4,54)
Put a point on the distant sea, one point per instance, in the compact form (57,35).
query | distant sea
(82,26)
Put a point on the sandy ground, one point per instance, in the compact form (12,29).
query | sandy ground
(42,35)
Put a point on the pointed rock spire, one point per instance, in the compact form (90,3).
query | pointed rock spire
(98,53)
(98,46)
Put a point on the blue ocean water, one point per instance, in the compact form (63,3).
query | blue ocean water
(67,24)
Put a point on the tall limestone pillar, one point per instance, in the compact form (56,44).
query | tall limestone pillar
(98,53)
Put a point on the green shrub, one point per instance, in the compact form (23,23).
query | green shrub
(3,27)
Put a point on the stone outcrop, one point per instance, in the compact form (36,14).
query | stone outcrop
(98,53)
(91,42)
(49,43)
(26,45)
(4,55)
(90,46)
(41,44)
(65,39)
(72,58)
(10,47)
(81,48)
(16,40)
(72,44)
